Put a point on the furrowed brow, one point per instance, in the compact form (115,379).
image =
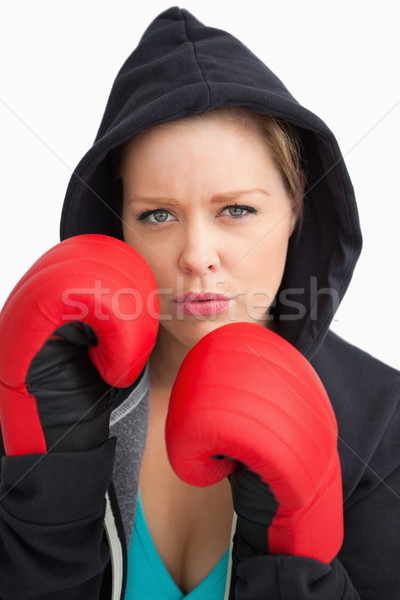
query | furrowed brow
(156,200)
(222,197)
(234,195)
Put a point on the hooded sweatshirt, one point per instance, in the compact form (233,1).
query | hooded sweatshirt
(52,510)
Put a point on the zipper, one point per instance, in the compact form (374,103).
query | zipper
(114,544)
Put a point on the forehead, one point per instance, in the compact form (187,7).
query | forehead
(189,158)
(197,160)
(202,138)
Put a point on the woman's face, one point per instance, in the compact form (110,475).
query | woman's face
(208,210)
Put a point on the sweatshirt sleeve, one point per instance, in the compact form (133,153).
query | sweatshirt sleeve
(289,577)
(52,510)
(367,566)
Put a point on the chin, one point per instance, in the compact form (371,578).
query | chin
(189,334)
(188,331)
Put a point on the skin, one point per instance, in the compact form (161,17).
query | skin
(191,175)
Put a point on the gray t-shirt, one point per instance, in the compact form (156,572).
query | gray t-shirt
(129,423)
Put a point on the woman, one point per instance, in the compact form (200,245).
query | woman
(214,203)
(199,196)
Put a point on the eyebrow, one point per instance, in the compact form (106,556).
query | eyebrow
(223,197)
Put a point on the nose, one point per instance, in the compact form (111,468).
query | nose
(199,253)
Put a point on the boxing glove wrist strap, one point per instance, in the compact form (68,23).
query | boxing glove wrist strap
(79,436)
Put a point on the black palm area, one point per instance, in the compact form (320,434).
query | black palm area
(74,402)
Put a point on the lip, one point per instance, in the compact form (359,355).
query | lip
(202,303)
(200,297)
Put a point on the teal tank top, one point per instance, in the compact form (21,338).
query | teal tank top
(148,578)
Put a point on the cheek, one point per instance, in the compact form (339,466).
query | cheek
(266,263)
(157,255)
(168,279)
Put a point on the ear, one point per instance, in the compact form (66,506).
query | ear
(297,208)
(293,221)
(297,205)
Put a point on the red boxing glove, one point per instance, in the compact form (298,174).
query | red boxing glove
(246,404)
(83,318)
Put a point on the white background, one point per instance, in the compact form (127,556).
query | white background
(340,59)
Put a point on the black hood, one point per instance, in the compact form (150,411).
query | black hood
(182,67)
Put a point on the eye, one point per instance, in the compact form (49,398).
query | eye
(159,215)
(236,210)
